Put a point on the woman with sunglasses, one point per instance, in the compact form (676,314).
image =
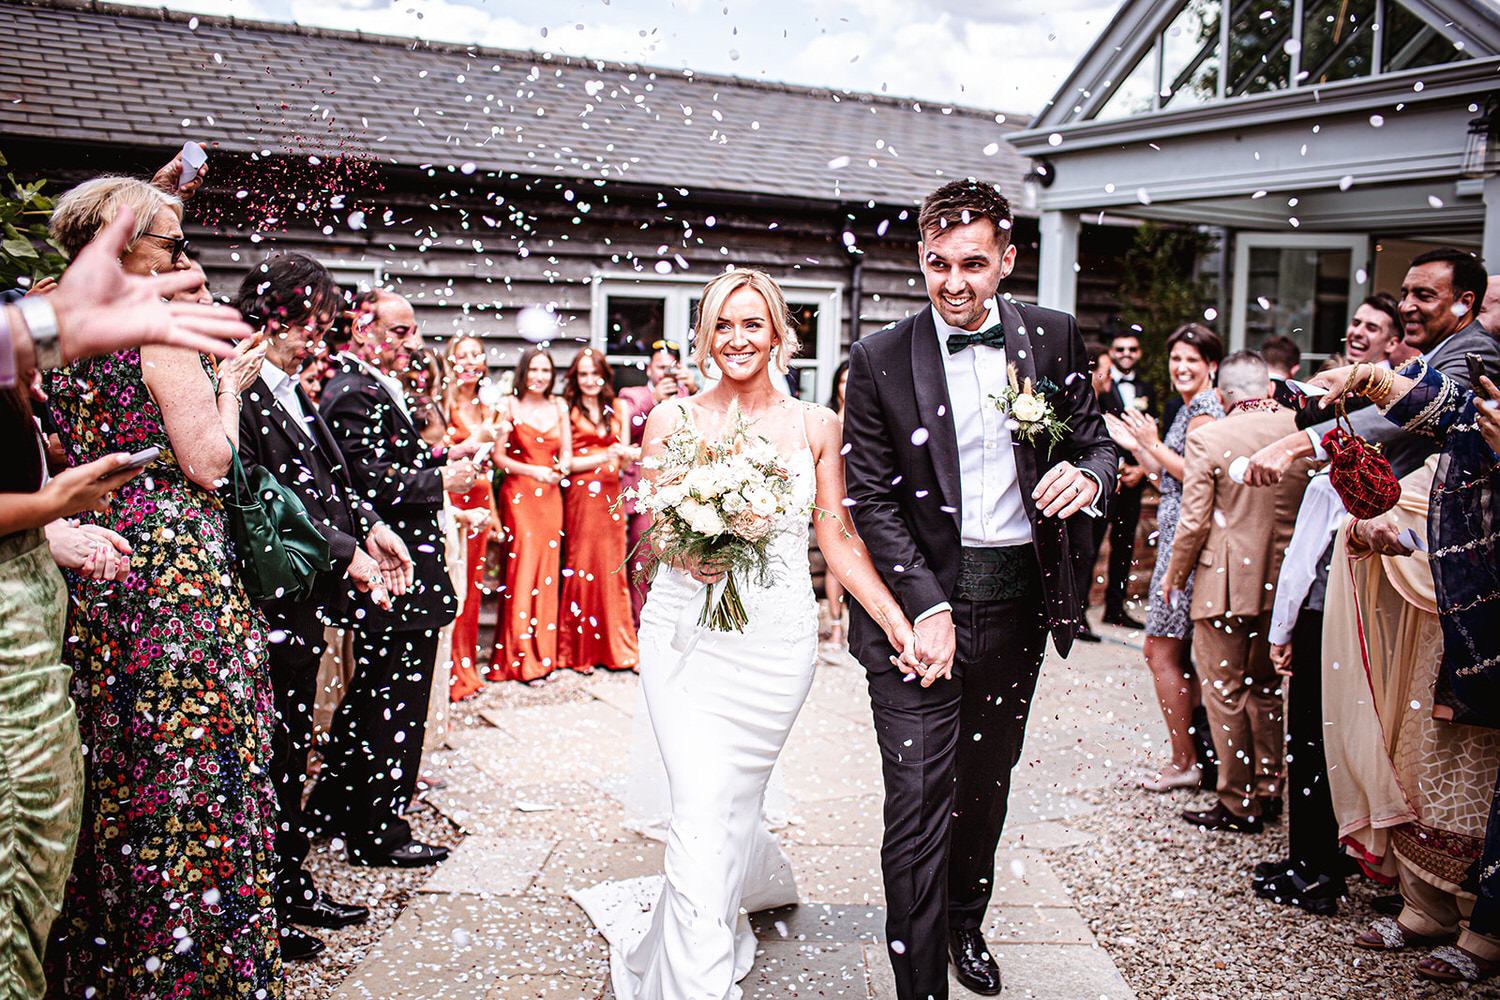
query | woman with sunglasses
(171,675)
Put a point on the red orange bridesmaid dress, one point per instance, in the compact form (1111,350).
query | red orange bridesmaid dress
(463,677)
(532,512)
(597,628)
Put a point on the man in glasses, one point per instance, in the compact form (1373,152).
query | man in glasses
(665,378)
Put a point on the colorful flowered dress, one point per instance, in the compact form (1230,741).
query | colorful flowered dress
(172,890)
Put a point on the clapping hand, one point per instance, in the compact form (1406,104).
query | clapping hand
(1487,403)
(244,367)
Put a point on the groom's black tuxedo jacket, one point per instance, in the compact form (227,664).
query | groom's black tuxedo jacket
(905,486)
(400,476)
(312,466)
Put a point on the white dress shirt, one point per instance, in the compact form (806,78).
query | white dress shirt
(284,389)
(393,386)
(1125,383)
(993,512)
(1318,518)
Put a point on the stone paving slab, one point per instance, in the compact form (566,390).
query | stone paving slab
(500,866)
(452,946)
(1045,835)
(1027,971)
(857,819)
(545,987)
(580,864)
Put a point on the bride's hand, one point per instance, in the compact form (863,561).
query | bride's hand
(903,639)
(702,571)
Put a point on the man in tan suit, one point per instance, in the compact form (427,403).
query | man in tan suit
(1234,535)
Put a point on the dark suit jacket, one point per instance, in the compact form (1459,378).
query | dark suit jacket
(315,470)
(396,472)
(1407,451)
(1114,402)
(905,486)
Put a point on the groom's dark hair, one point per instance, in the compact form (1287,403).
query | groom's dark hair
(959,202)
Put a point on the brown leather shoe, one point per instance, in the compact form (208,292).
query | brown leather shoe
(1219,818)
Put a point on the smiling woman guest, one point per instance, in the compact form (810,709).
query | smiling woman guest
(170,667)
(1192,363)
(537,450)
(469,417)
(597,629)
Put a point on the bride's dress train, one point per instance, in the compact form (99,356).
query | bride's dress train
(721,705)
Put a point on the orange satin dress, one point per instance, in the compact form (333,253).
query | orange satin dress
(463,676)
(532,513)
(597,628)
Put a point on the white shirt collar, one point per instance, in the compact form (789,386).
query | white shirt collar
(944,331)
(1121,376)
(273,377)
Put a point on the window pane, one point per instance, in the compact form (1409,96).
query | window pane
(1190,56)
(1411,42)
(1134,95)
(634,324)
(805,322)
(1337,39)
(1258,32)
(1299,293)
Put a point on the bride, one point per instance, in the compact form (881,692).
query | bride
(722,703)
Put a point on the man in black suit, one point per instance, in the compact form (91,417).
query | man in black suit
(971,515)
(292,299)
(370,771)
(1129,390)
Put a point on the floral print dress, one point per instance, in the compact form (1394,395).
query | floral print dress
(171,893)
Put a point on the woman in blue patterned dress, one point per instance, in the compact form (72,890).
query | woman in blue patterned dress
(1193,359)
(171,892)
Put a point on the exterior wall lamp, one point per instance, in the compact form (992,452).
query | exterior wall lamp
(1041,175)
(1482,154)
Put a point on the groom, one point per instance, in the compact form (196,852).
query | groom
(973,517)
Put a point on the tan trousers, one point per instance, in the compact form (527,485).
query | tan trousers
(1242,696)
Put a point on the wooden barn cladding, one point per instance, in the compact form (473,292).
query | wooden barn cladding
(480,181)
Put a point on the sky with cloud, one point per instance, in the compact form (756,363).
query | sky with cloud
(997,54)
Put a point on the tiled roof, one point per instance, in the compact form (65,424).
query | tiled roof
(106,73)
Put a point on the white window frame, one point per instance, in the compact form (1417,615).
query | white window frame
(1358,245)
(677,294)
(355,277)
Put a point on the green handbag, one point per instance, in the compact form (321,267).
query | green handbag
(278,550)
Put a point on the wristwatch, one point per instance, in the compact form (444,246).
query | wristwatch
(41,323)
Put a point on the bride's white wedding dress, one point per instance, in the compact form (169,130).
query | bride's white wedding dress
(721,704)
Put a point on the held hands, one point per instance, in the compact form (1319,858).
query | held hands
(368,579)
(1064,491)
(931,656)
(391,555)
(1281,658)
(94,551)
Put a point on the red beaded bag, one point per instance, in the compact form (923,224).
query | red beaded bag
(1361,475)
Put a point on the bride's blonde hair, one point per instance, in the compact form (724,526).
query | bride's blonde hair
(717,292)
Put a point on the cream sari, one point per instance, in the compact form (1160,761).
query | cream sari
(1411,792)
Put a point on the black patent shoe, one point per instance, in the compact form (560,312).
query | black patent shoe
(1319,895)
(412,854)
(326,912)
(1271,869)
(975,967)
(299,946)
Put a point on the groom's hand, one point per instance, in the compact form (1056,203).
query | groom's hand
(935,645)
(1064,491)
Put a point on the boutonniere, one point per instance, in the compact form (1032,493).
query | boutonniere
(1140,403)
(1030,410)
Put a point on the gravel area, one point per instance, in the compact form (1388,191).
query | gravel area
(386,890)
(1173,906)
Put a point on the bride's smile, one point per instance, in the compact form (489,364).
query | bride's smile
(743,335)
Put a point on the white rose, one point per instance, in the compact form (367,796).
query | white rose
(701,518)
(733,503)
(762,502)
(1028,409)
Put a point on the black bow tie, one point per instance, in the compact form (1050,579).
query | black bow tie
(993,337)
(1125,377)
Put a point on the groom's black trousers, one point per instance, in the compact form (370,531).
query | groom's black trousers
(947,752)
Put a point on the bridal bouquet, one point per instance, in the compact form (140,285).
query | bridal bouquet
(717,503)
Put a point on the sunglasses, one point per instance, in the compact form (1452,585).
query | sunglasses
(666,345)
(179,244)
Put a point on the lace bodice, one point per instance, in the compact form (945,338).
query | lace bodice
(784,605)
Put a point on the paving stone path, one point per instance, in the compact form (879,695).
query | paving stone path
(536,794)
